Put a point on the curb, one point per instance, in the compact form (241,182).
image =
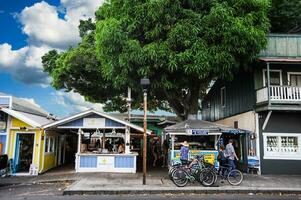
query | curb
(183,191)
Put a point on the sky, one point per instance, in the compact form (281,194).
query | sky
(29,29)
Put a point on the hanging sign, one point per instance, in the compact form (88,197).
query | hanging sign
(94,122)
(197,132)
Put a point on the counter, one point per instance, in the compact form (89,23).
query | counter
(93,162)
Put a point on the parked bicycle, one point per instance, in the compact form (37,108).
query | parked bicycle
(182,174)
(233,176)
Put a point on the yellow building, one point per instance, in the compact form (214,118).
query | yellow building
(30,149)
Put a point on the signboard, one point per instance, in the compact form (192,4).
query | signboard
(209,156)
(94,122)
(197,132)
(105,162)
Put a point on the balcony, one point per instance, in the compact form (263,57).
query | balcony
(279,95)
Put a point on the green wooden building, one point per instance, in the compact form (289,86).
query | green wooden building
(266,100)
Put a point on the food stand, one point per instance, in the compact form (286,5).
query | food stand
(103,141)
(203,138)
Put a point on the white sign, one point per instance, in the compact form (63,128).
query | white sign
(105,162)
(94,122)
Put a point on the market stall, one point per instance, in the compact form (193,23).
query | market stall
(103,142)
(203,138)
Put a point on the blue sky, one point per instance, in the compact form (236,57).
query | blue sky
(30,29)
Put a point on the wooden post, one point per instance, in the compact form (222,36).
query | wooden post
(268,82)
(144,136)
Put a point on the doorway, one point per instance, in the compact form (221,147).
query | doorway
(23,152)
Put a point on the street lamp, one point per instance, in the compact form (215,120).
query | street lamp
(145,84)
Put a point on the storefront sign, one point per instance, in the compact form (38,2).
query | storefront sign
(197,132)
(105,162)
(94,122)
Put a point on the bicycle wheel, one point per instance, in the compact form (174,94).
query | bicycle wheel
(207,177)
(179,177)
(235,177)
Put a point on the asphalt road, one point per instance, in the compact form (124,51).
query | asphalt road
(54,192)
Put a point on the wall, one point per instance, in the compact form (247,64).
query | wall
(280,122)
(16,124)
(245,120)
(240,98)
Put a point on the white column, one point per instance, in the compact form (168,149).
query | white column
(172,146)
(79,133)
(79,140)
(257,144)
(127,140)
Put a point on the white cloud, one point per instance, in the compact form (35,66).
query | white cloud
(45,29)
(24,64)
(74,102)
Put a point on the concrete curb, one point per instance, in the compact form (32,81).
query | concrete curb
(187,190)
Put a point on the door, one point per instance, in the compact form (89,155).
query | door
(23,152)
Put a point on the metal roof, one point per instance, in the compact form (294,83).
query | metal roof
(89,112)
(35,121)
(201,125)
(23,105)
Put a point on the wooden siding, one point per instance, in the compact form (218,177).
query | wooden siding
(282,45)
(240,97)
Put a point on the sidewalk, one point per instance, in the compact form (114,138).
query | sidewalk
(156,185)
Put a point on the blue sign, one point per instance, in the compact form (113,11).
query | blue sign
(199,132)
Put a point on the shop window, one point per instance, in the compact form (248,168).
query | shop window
(282,147)
(223,96)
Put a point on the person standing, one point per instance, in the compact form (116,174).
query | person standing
(184,152)
(165,153)
(155,151)
(230,154)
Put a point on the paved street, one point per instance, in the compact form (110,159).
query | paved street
(53,191)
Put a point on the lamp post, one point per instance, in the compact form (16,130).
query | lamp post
(144,83)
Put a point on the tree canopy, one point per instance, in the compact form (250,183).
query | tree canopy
(285,16)
(179,44)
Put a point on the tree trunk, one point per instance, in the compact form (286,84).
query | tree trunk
(191,110)
(185,107)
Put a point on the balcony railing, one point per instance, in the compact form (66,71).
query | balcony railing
(280,95)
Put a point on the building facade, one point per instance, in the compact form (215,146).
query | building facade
(266,100)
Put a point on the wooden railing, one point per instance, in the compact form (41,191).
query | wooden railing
(279,94)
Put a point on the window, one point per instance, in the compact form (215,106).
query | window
(282,146)
(294,78)
(223,96)
(50,144)
(275,77)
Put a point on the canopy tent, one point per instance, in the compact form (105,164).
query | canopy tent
(203,127)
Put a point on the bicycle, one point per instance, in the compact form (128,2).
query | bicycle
(197,172)
(233,176)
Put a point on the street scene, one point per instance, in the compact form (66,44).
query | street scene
(150,99)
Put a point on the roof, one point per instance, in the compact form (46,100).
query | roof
(280,59)
(92,111)
(23,105)
(35,121)
(201,125)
